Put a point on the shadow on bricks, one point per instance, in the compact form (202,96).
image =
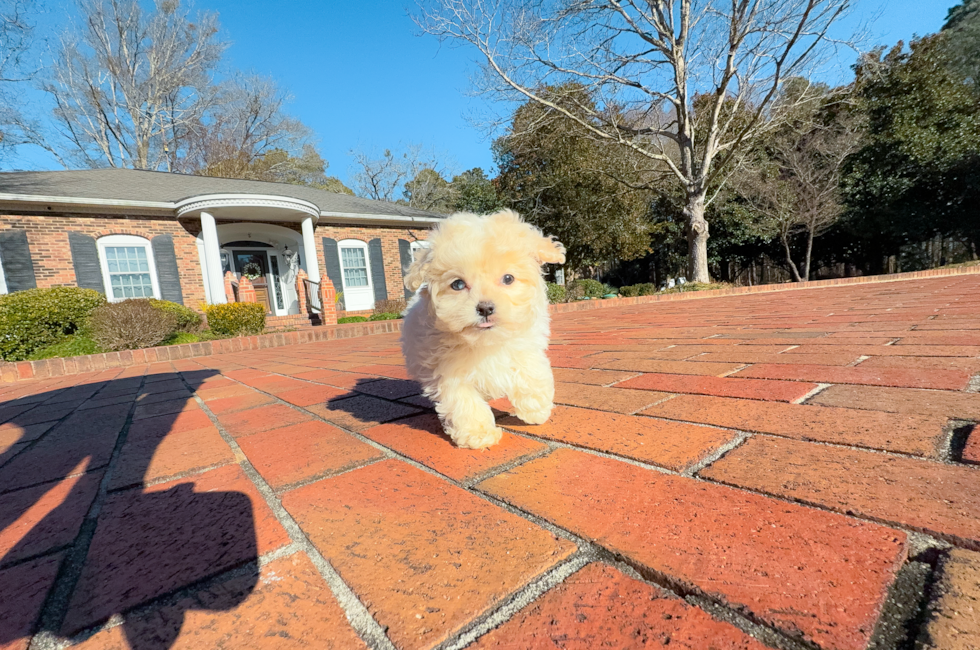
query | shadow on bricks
(372,401)
(105,507)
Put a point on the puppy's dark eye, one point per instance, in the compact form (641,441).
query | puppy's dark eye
(508,279)
(458,285)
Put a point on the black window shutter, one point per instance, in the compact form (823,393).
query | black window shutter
(85,257)
(167,274)
(18,267)
(377,270)
(405,253)
(331,260)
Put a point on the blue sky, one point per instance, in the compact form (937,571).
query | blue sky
(361,77)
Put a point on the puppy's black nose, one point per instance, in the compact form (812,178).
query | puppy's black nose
(484,309)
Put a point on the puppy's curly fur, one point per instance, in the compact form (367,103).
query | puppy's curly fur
(478,327)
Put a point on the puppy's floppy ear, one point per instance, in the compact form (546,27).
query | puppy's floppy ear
(550,251)
(419,270)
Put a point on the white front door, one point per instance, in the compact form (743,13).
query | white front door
(354,264)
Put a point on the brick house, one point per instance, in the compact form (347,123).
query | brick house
(129,233)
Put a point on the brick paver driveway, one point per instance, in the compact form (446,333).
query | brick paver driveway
(786,469)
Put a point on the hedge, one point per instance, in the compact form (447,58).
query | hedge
(556,293)
(37,318)
(236,318)
(642,289)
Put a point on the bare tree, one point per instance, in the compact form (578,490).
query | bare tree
(246,120)
(651,61)
(796,185)
(128,85)
(792,179)
(380,177)
(16,37)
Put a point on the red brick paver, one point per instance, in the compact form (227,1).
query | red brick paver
(712,466)
(937,498)
(600,607)
(782,562)
(415,548)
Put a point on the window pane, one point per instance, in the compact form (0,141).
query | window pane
(355,277)
(131,285)
(355,267)
(353,257)
(129,272)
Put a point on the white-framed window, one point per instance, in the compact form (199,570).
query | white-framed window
(353,259)
(128,270)
(3,278)
(418,245)
(355,265)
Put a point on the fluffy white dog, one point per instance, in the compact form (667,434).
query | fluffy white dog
(478,328)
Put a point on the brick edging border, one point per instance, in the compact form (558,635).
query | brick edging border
(23,370)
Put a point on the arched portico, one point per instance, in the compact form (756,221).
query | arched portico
(245,243)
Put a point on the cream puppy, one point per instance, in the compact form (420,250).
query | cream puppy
(478,328)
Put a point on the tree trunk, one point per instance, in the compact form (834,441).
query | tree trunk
(809,254)
(697,239)
(789,258)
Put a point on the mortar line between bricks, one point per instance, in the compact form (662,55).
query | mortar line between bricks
(361,620)
(813,393)
(717,455)
(517,601)
(56,604)
(873,450)
(733,371)
(807,440)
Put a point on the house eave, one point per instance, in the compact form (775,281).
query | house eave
(36,203)
(39,203)
(378,219)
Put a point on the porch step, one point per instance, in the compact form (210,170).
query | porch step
(292,321)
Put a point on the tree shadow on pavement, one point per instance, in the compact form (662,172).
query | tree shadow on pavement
(93,524)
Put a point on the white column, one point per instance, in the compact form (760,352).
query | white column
(212,256)
(309,251)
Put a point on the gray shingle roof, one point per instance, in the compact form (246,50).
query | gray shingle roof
(136,185)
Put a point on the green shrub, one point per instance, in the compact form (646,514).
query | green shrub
(384,316)
(37,318)
(130,325)
(590,288)
(236,318)
(556,293)
(698,286)
(208,335)
(351,319)
(642,289)
(188,320)
(75,345)
(179,338)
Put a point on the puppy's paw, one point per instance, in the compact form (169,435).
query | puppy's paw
(536,415)
(479,437)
